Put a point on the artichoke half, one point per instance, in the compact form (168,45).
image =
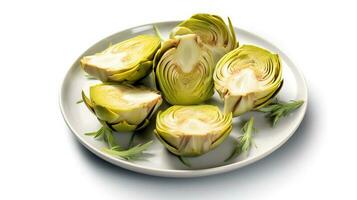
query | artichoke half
(247,78)
(122,107)
(192,130)
(127,61)
(183,69)
(213,31)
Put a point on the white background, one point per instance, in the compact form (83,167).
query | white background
(40,159)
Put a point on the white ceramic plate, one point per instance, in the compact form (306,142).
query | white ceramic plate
(160,162)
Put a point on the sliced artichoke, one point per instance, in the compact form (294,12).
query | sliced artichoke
(192,130)
(127,61)
(183,68)
(247,78)
(122,107)
(213,31)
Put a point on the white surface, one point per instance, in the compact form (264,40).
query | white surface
(161,163)
(41,159)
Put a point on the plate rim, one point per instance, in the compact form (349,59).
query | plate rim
(181,173)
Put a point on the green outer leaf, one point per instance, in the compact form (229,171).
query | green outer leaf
(105,114)
(87,102)
(132,139)
(233,34)
(184,161)
(167,145)
(123,126)
(109,138)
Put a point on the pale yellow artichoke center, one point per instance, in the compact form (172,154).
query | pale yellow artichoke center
(119,57)
(121,97)
(109,60)
(244,82)
(195,121)
(192,126)
(187,53)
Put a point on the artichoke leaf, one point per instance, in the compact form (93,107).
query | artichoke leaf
(183,70)
(123,126)
(192,130)
(123,107)
(127,61)
(247,78)
(87,102)
(213,31)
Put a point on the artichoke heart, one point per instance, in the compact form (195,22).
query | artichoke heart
(192,130)
(213,31)
(247,78)
(127,61)
(122,107)
(183,68)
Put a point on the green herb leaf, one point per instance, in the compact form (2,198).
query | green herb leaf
(245,141)
(269,108)
(129,154)
(106,134)
(114,148)
(278,109)
(97,134)
(91,133)
(79,101)
(158,34)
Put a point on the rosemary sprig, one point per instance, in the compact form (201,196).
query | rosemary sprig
(129,154)
(278,109)
(114,148)
(96,134)
(244,141)
(79,101)
(158,34)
